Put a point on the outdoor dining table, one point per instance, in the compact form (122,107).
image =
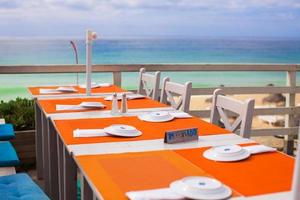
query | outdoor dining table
(152,139)
(41,121)
(110,176)
(92,156)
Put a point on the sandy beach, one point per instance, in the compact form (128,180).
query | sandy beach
(198,102)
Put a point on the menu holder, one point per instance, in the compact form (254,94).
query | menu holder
(182,135)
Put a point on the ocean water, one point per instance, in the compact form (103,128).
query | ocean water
(148,51)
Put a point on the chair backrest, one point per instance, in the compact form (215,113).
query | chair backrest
(222,103)
(149,84)
(296,177)
(170,90)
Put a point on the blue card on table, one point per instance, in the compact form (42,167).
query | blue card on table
(182,135)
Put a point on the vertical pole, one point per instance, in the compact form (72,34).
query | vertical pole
(86,190)
(290,118)
(296,177)
(38,140)
(117,78)
(88,63)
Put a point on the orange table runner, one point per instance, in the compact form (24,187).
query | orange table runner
(49,105)
(113,88)
(150,130)
(115,174)
(260,174)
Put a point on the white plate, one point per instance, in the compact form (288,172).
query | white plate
(122,130)
(228,153)
(97,85)
(66,89)
(198,187)
(128,96)
(92,105)
(160,116)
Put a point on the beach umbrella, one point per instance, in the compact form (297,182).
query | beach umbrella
(90,36)
(74,47)
(274,98)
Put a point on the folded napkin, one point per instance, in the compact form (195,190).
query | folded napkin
(96,85)
(89,133)
(254,149)
(180,115)
(49,91)
(156,194)
(69,107)
(129,97)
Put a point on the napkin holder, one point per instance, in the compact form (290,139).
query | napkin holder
(182,135)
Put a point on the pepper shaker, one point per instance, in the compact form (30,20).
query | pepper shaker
(124,104)
(114,106)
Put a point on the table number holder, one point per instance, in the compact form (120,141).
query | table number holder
(182,135)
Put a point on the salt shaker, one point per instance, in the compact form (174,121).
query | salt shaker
(124,104)
(114,106)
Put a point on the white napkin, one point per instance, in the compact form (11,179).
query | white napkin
(129,97)
(69,107)
(89,133)
(180,115)
(254,149)
(49,91)
(156,194)
(96,85)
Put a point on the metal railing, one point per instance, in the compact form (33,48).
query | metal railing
(291,89)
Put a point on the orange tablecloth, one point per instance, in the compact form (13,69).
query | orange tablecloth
(115,174)
(150,130)
(49,105)
(36,90)
(259,174)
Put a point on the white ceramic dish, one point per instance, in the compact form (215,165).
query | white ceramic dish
(66,89)
(97,85)
(198,187)
(129,97)
(92,105)
(160,116)
(122,130)
(228,153)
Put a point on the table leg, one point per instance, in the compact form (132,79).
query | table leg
(53,163)
(70,176)
(60,160)
(45,136)
(38,141)
(86,190)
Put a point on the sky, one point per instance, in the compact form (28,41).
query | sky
(150,18)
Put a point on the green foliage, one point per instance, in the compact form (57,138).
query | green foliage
(19,112)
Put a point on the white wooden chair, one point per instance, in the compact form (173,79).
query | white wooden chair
(171,89)
(222,103)
(149,84)
(296,177)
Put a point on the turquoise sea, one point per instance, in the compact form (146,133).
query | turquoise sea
(138,51)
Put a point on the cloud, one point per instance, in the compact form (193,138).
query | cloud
(140,17)
(153,4)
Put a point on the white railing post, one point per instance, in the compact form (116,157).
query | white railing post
(90,36)
(290,118)
(117,78)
